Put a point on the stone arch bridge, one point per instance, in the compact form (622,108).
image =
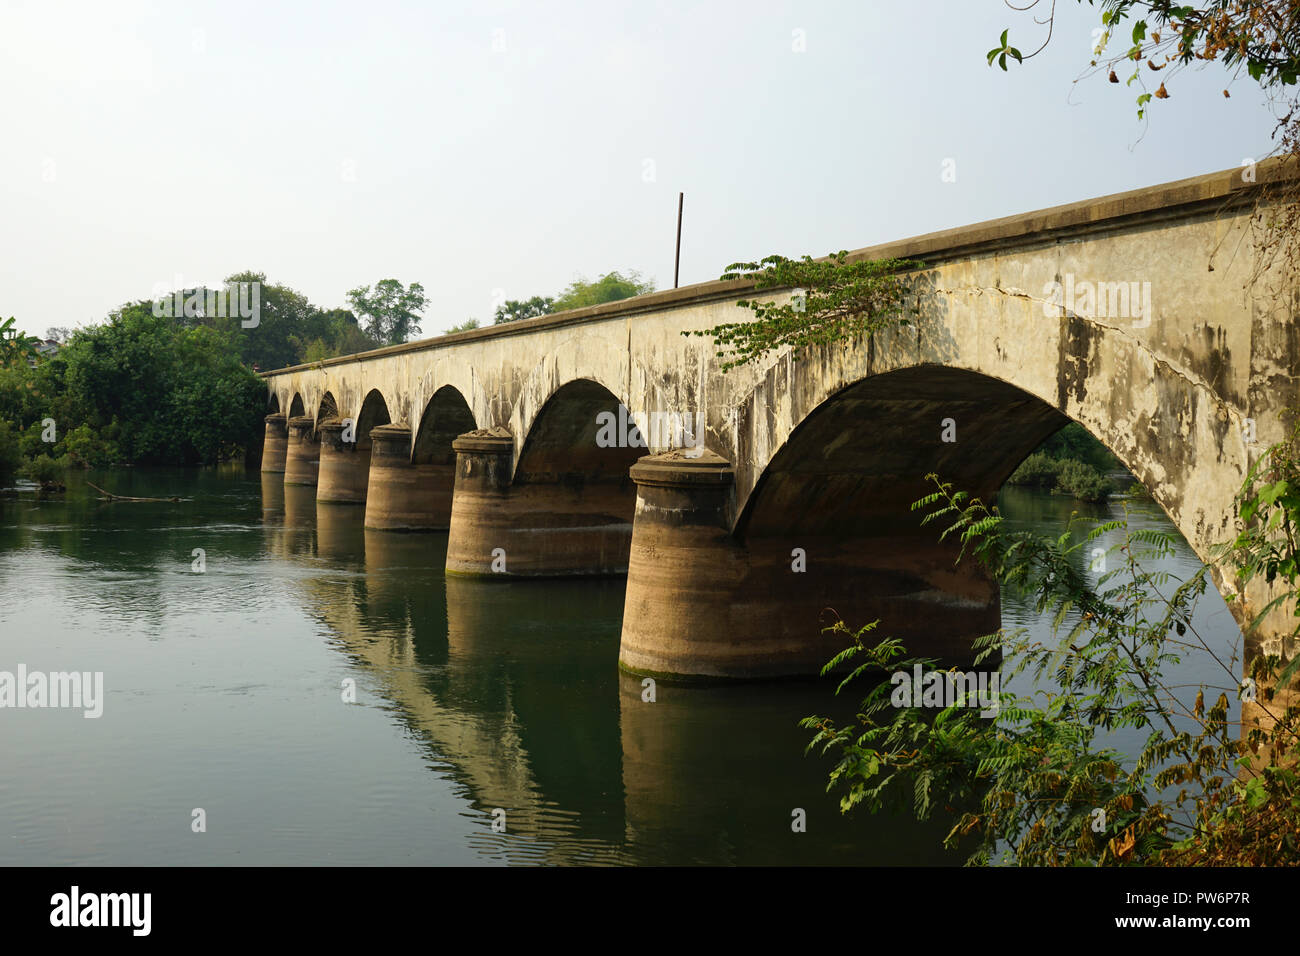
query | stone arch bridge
(1148,317)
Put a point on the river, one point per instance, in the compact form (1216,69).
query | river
(322,694)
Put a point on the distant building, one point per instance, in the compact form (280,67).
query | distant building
(44,349)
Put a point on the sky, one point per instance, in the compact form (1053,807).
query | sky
(493,150)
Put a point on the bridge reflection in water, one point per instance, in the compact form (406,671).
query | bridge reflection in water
(512,688)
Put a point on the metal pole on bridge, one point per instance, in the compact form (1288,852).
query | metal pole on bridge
(677,258)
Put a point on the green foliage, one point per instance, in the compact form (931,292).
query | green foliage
(46,471)
(1039,470)
(463,327)
(154,384)
(289,330)
(611,287)
(1069,463)
(1002,51)
(332,333)
(1080,480)
(1047,789)
(15,347)
(31,443)
(580,293)
(317,350)
(11,458)
(1136,489)
(158,385)
(391,311)
(179,393)
(274,341)
(512,311)
(87,449)
(1075,441)
(835,301)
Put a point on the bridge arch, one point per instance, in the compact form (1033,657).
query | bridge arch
(445,416)
(592,359)
(1168,426)
(856,463)
(296,407)
(373,413)
(570,441)
(327,409)
(412,476)
(565,508)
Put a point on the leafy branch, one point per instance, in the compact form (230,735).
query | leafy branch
(834,300)
(1038,785)
(1261,37)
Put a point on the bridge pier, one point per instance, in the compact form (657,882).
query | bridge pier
(276,443)
(401,495)
(344,466)
(302,453)
(702,603)
(533,528)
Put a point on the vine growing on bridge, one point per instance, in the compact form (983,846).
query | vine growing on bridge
(834,300)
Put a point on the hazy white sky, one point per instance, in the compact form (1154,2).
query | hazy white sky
(493,148)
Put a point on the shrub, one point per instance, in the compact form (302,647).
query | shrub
(1075,441)
(1039,470)
(46,471)
(1082,481)
(87,450)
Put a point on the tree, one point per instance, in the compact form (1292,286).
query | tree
(608,288)
(172,394)
(15,346)
(327,334)
(286,328)
(344,333)
(464,326)
(512,311)
(275,340)
(391,311)
(58,333)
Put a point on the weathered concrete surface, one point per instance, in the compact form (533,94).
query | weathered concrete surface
(831,448)
(276,443)
(404,495)
(538,528)
(702,604)
(344,466)
(302,453)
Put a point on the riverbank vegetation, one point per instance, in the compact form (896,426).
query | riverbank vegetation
(138,389)
(181,388)
(178,388)
(1072,463)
